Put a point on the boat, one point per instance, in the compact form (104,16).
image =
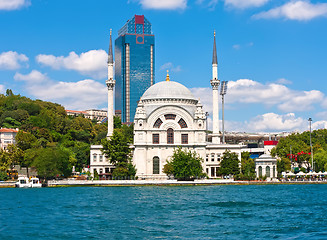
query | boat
(35,182)
(24,182)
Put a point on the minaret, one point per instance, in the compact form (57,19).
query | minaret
(110,84)
(215,85)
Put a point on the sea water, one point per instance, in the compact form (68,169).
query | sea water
(187,212)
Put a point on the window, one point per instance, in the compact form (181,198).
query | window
(207,157)
(170,136)
(107,170)
(101,170)
(207,170)
(182,123)
(101,158)
(158,123)
(212,171)
(170,116)
(184,138)
(94,157)
(212,157)
(268,171)
(155,138)
(260,171)
(217,171)
(218,157)
(156,165)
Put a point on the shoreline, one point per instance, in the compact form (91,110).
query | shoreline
(136,183)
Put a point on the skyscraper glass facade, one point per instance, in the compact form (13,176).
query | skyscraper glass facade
(134,65)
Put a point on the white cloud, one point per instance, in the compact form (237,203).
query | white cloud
(79,95)
(246,91)
(12,60)
(242,4)
(13,4)
(205,96)
(319,125)
(170,66)
(284,81)
(92,63)
(164,4)
(324,103)
(302,102)
(269,123)
(237,46)
(2,89)
(295,10)
(287,100)
(275,122)
(33,77)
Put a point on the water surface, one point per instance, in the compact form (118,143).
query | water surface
(187,212)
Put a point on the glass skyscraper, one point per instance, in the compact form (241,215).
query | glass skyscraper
(134,65)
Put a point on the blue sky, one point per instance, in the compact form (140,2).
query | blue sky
(272,52)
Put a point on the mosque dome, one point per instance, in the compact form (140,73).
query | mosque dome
(168,90)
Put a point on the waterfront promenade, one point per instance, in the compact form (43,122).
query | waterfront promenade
(108,183)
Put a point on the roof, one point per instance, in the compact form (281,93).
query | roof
(8,130)
(168,90)
(74,111)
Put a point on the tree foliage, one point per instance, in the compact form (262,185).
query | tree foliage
(247,167)
(299,145)
(184,165)
(45,125)
(117,150)
(229,164)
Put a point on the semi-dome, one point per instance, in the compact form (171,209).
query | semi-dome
(168,90)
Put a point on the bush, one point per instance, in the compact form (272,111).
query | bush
(3,176)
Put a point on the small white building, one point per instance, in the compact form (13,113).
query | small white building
(7,136)
(99,163)
(266,165)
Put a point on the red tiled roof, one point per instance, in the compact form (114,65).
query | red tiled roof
(73,111)
(8,130)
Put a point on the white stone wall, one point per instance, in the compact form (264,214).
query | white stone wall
(264,163)
(98,160)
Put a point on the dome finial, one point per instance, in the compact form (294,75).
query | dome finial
(167,77)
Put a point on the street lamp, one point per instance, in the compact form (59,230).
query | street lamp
(310,121)
(223,91)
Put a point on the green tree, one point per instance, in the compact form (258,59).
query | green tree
(283,165)
(320,160)
(118,152)
(117,122)
(184,165)
(229,165)
(50,162)
(247,167)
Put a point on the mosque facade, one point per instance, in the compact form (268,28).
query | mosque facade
(168,116)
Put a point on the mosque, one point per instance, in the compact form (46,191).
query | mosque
(167,116)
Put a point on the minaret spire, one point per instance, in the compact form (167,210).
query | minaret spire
(214,55)
(110,55)
(110,85)
(215,85)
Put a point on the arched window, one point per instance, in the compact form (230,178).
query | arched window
(170,136)
(158,123)
(156,165)
(170,116)
(182,123)
(268,171)
(260,171)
